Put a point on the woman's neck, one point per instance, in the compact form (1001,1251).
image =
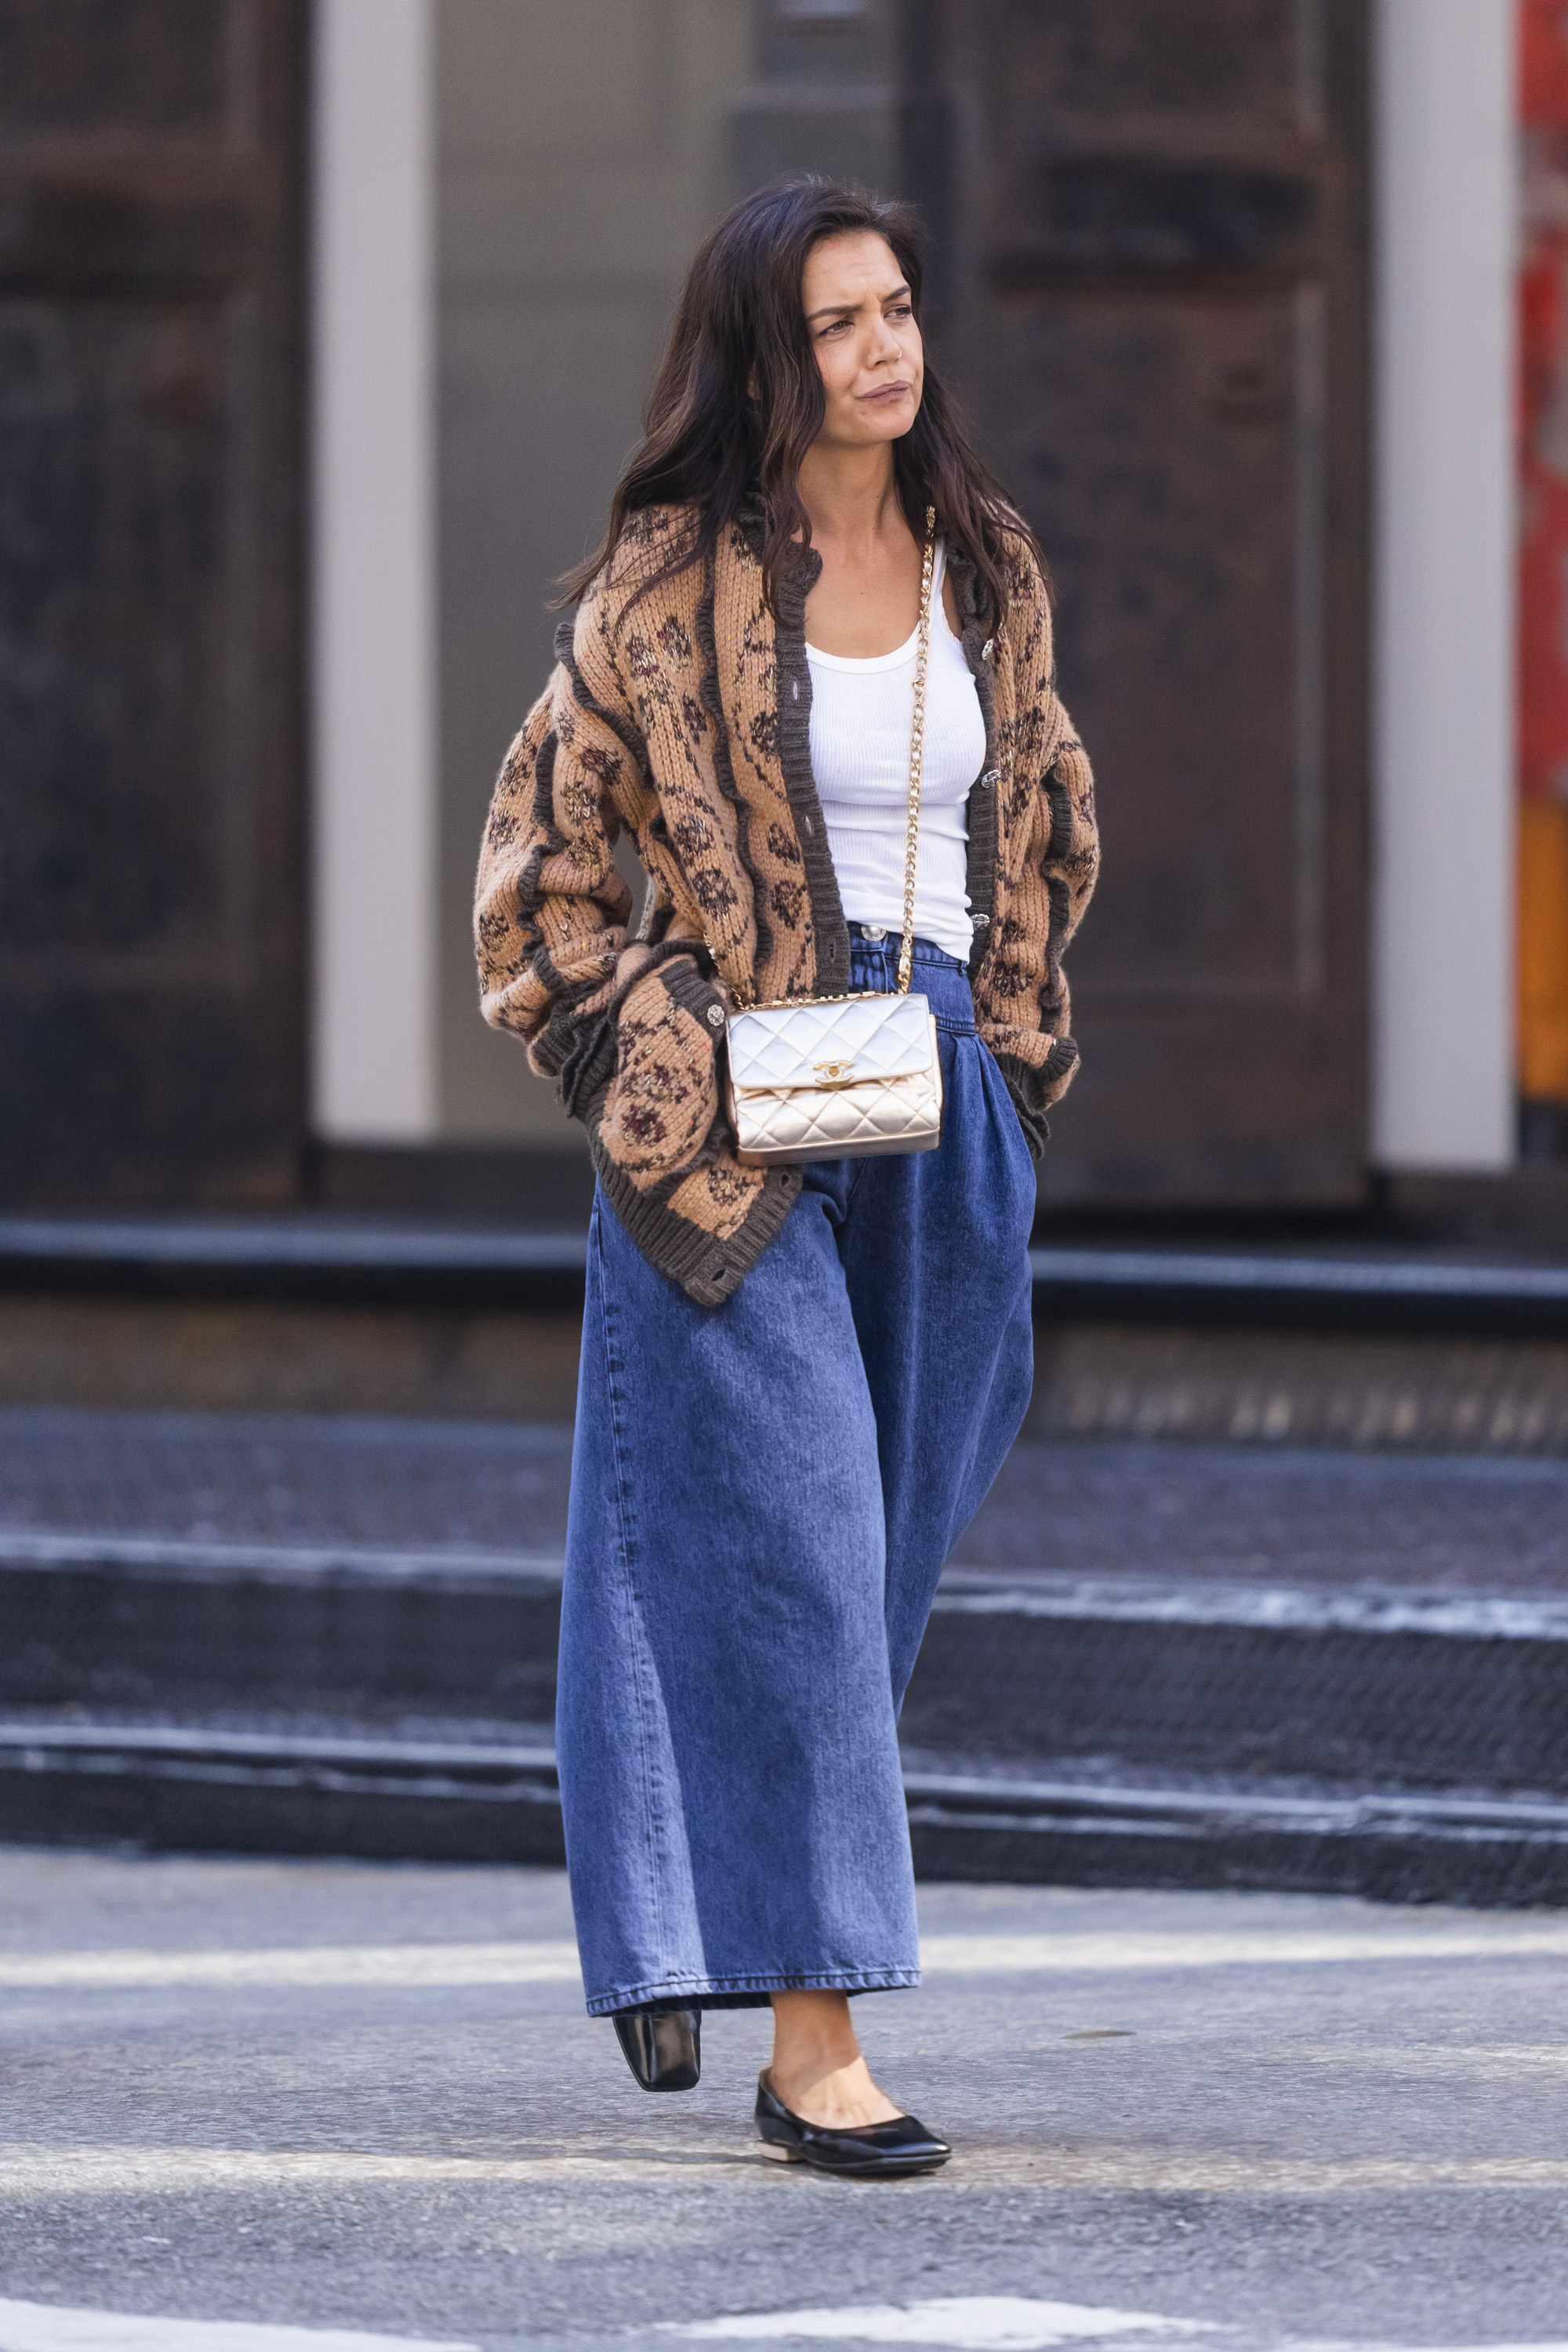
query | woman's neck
(850,498)
(867,596)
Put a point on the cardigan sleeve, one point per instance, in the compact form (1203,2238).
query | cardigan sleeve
(1049,863)
(1039,1057)
(550,906)
(1063,855)
(629,1031)
(1048,859)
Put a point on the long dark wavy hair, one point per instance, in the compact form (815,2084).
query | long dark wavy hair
(738,401)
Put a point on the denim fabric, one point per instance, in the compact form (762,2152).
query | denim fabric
(763,1495)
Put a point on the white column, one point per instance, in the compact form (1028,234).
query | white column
(1443,928)
(373,852)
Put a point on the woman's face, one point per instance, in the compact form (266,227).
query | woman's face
(863,331)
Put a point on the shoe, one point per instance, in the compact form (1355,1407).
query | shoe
(866,2150)
(663,2047)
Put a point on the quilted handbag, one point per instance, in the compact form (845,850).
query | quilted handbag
(847,1077)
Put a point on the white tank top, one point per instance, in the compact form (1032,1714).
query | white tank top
(861,715)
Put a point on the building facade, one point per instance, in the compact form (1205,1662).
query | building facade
(326,331)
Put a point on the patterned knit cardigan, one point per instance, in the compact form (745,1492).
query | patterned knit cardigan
(682,717)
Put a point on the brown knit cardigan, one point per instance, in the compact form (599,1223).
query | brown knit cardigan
(681,715)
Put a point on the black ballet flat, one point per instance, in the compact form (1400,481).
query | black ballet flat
(865,2151)
(663,2047)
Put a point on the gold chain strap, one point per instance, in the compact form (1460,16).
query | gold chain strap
(917,761)
(745,998)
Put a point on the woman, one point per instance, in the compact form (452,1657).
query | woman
(797,1383)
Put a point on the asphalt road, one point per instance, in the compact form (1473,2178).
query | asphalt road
(351,2097)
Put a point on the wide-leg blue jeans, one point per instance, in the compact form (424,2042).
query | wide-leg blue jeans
(762,1497)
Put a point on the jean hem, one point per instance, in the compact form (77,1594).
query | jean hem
(750,1992)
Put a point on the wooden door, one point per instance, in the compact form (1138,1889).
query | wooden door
(1156,304)
(151,1042)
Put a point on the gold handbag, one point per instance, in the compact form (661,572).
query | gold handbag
(847,1077)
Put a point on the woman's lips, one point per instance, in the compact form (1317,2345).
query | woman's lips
(888,391)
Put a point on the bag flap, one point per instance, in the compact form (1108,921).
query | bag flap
(819,1043)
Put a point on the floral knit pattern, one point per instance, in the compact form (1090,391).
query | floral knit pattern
(680,716)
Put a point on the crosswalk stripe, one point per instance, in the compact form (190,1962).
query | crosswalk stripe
(47,2327)
(415,1965)
(38,2173)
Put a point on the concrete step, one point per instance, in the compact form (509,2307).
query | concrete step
(1251,1513)
(1167,1664)
(1369,1286)
(227,1787)
(339,1631)
(1350,1343)
(380,1701)
(1422,1688)
(1114,1829)
(234,1786)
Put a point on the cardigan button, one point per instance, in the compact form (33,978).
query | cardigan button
(716,1016)
(986,650)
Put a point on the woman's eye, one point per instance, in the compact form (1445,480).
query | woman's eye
(902,310)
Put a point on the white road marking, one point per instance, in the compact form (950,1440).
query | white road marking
(1197,2172)
(413,1966)
(1503,2061)
(966,2323)
(988,1955)
(991,2323)
(43,2327)
(393,1965)
(955,2324)
(36,2173)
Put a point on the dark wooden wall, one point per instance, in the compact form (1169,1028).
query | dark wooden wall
(1153,239)
(151,939)
(1151,285)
